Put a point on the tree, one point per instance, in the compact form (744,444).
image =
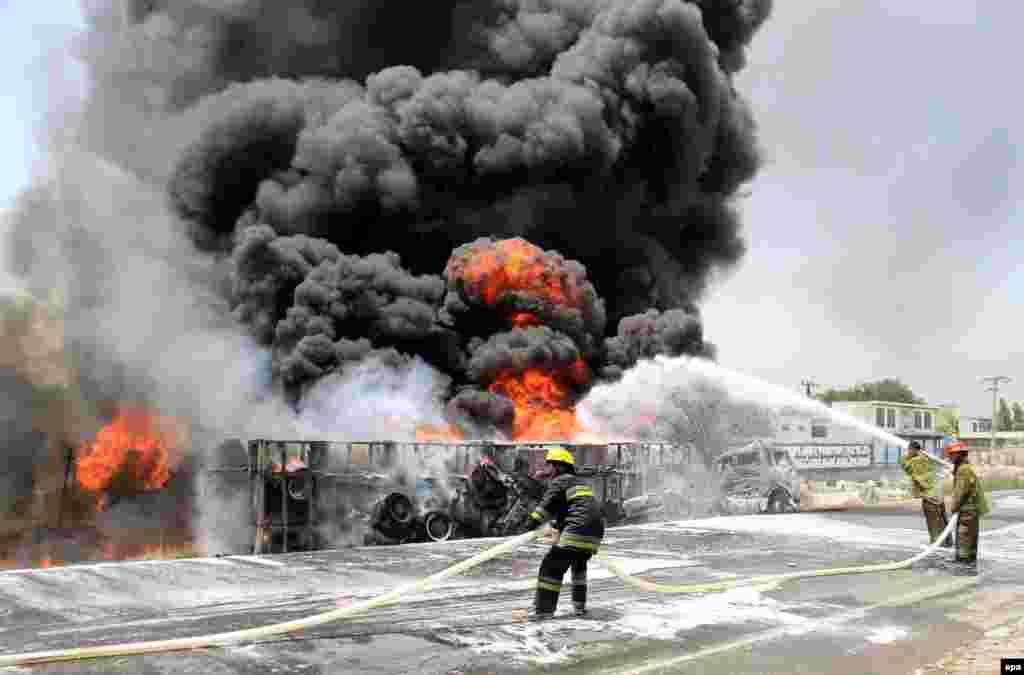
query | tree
(947,421)
(888,389)
(1004,419)
(1018,416)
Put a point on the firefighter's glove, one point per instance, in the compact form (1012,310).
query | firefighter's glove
(550,535)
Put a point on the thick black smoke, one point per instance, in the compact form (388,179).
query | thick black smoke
(650,334)
(482,414)
(608,130)
(341,160)
(331,169)
(522,348)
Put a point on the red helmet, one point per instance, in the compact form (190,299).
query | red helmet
(955,447)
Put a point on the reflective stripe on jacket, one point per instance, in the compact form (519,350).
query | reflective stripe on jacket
(570,503)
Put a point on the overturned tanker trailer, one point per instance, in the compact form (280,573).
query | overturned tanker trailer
(304,495)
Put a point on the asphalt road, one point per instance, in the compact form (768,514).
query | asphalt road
(884,623)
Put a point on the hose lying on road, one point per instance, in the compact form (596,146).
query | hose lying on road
(771,579)
(775,579)
(250,634)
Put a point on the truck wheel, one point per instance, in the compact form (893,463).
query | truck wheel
(438,526)
(400,508)
(779,502)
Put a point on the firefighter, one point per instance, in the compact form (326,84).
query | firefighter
(968,502)
(578,528)
(918,468)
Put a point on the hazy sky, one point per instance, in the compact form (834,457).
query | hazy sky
(33,35)
(882,231)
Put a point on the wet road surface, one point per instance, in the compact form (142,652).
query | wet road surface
(882,623)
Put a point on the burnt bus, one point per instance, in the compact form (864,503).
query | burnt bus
(305,495)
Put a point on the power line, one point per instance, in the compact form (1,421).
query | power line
(995,381)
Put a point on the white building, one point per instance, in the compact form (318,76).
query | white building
(975,425)
(795,426)
(976,432)
(908,421)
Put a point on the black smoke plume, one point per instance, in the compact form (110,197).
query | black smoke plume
(327,164)
(256,201)
(608,130)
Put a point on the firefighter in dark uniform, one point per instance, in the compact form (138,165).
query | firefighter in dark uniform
(568,503)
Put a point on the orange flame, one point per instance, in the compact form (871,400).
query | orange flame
(292,465)
(524,319)
(543,401)
(491,271)
(156,444)
(147,551)
(517,265)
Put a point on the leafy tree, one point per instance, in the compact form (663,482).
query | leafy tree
(1004,419)
(947,421)
(1018,416)
(888,389)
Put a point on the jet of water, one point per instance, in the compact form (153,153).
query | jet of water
(665,373)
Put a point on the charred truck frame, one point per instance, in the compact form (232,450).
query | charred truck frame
(303,493)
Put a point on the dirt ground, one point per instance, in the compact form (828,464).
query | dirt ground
(1001,616)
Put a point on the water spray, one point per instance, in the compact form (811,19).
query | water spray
(662,375)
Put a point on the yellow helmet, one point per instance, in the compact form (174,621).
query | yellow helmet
(560,454)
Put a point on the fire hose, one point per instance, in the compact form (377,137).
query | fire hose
(422,585)
(773,579)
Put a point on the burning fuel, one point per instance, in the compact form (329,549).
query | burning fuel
(260,207)
(138,447)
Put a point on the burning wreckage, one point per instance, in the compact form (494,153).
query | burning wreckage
(521,200)
(302,493)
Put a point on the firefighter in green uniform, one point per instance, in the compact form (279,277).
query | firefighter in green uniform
(969,503)
(579,523)
(918,468)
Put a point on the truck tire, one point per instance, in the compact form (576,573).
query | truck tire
(438,526)
(780,502)
(400,508)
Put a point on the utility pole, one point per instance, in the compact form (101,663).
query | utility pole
(995,381)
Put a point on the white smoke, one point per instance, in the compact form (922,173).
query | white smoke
(665,397)
(373,400)
(221,517)
(369,401)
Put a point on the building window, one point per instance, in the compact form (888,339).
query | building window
(974,427)
(819,431)
(890,418)
(879,417)
(917,419)
(927,420)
